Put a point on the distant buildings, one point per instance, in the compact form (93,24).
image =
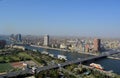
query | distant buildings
(46,40)
(12,37)
(18,38)
(97,43)
(63,46)
(2,43)
(87,48)
(19,47)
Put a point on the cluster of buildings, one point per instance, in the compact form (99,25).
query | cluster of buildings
(83,45)
(94,46)
(73,44)
(111,44)
(16,37)
(80,45)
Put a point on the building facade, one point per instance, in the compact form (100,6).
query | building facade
(46,40)
(18,37)
(2,43)
(97,43)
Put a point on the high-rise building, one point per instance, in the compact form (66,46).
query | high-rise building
(2,43)
(87,47)
(18,37)
(97,43)
(12,37)
(46,40)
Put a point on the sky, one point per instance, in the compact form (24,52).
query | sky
(93,18)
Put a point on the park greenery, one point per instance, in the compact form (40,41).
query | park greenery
(16,55)
(5,67)
(53,73)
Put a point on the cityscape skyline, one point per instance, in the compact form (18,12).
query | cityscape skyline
(72,18)
(59,39)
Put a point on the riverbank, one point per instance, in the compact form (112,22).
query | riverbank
(50,48)
(88,53)
(64,50)
(115,58)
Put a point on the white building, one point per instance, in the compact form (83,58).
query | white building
(46,40)
(19,47)
(63,46)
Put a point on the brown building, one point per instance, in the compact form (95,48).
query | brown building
(96,44)
(87,48)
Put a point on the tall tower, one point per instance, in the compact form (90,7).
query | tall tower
(18,37)
(96,44)
(46,40)
(2,43)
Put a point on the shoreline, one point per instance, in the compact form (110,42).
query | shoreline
(63,50)
(50,48)
(114,58)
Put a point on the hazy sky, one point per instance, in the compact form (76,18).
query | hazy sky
(61,17)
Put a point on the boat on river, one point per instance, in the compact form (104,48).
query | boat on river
(98,66)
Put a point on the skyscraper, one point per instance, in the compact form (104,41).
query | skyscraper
(18,37)
(96,44)
(46,40)
(2,43)
(12,36)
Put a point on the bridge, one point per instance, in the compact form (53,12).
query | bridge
(40,69)
(76,61)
